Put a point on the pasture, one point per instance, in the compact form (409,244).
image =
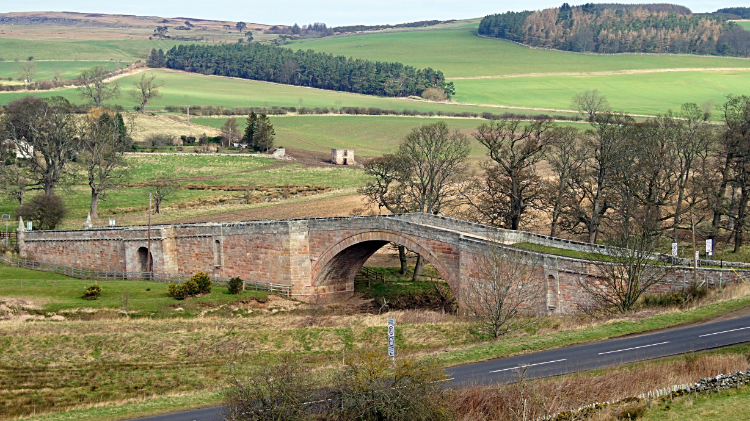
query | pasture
(196,89)
(47,69)
(745,24)
(637,93)
(461,53)
(126,50)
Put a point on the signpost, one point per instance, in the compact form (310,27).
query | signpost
(392,338)
(7,218)
(709,248)
(29,226)
(674,252)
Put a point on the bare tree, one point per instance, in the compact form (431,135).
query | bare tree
(26,71)
(103,143)
(590,103)
(628,271)
(145,90)
(507,293)
(93,87)
(163,189)
(13,180)
(423,175)
(511,185)
(229,132)
(565,157)
(44,133)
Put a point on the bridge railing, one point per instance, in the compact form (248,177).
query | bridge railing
(161,277)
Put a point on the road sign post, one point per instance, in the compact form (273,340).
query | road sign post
(392,339)
(709,248)
(674,252)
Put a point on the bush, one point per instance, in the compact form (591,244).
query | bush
(92,292)
(199,283)
(434,94)
(202,281)
(45,212)
(235,285)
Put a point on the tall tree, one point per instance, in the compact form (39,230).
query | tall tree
(565,157)
(26,72)
(145,90)
(263,134)
(423,175)
(92,86)
(249,134)
(229,132)
(240,26)
(104,140)
(736,138)
(44,132)
(511,185)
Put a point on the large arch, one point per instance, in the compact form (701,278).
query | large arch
(335,269)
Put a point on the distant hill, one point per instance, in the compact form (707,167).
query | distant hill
(617,28)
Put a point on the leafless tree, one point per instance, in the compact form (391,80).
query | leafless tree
(93,87)
(145,90)
(44,133)
(507,293)
(511,183)
(104,140)
(13,180)
(26,71)
(163,189)
(565,157)
(229,132)
(422,176)
(590,103)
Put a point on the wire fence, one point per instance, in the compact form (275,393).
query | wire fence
(101,275)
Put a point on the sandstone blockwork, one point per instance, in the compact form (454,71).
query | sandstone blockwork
(320,256)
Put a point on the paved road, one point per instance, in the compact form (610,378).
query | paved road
(571,359)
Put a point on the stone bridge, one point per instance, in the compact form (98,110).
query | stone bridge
(319,255)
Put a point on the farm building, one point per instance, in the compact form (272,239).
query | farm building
(342,156)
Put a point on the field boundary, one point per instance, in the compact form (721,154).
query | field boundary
(160,277)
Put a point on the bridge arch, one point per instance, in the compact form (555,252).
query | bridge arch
(335,269)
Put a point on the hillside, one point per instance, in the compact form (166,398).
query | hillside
(616,29)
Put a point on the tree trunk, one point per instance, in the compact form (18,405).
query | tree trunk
(418,268)
(741,215)
(402,259)
(94,203)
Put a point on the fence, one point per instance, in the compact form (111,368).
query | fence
(368,275)
(101,275)
(8,238)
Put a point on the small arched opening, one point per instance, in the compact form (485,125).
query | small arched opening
(145,260)
(551,293)
(217,253)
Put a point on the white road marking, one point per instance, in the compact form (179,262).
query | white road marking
(726,331)
(630,349)
(528,365)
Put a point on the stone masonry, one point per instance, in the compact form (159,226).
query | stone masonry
(318,256)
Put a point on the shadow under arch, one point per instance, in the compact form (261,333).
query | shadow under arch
(335,269)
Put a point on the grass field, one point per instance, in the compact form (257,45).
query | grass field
(369,136)
(65,50)
(745,24)
(723,406)
(171,347)
(649,93)
(46,69)
(461,53)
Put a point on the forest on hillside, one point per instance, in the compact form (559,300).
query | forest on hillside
(613,28)
(306,68)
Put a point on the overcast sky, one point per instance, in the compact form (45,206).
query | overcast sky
(331,12)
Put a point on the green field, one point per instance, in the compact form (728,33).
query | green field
(462,53)
(124,50)
(745,24)
(368,135)
(649,93)
(196,89)
(46,69)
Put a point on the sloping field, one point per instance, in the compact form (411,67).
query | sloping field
(745,24)
(638,93)
(461,53)
(46,69)
(183,88)
(125,50)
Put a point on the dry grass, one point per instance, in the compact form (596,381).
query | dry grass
(528,400)
(144,125)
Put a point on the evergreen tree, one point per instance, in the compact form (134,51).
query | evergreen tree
(263,134)
(248,137)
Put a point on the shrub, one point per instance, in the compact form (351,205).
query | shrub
(235,285)
(202,281)
(45,212)
(92,292)
(177,291)
(434,94)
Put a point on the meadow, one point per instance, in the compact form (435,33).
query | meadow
(461,53)
(47,69)
(745,24)
(72,49)
(71,352)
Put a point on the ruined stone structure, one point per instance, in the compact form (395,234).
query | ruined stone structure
(342,156)
(319,255)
